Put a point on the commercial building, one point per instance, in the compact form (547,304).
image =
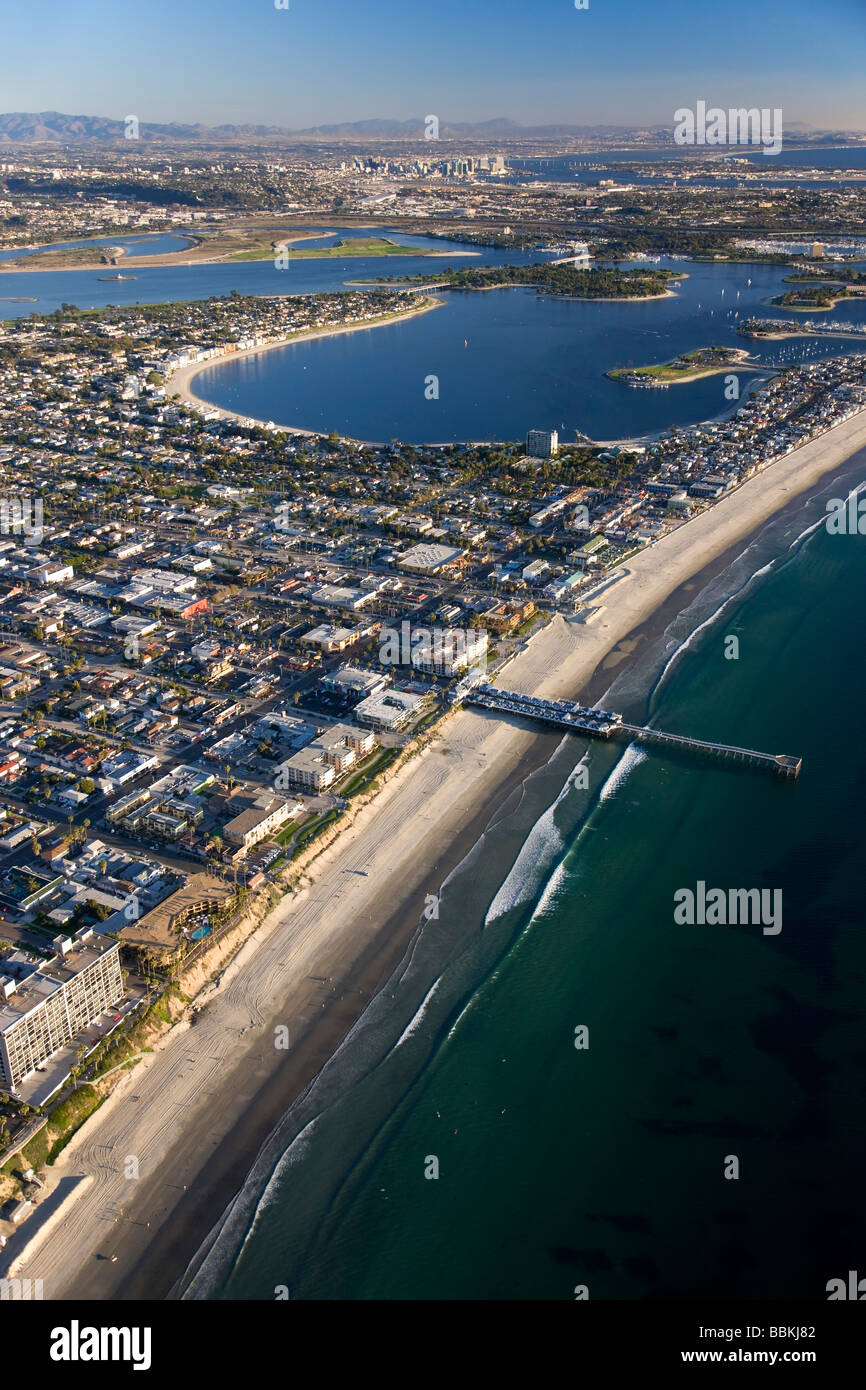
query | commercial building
(389,711)
(42,1009)
(505,617)
(590,552)
(342,596)
(360,741)
(336,750)
(351,682)
(431,559)
(561,590)
(126,766)
(160,930)
(331,638)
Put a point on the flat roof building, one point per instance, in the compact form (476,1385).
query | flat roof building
(306,768)
(331,638)
(159,929)
(430,559)
(350,681)
(42,1010)
(361,741)
(333,752)
(448,651)
(263,817)
(542,444)
(389,710)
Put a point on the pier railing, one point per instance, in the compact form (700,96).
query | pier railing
(780,763)
(596,723)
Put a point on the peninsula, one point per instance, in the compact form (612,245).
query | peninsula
(552,277)
(688,366)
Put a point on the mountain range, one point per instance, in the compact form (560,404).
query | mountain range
(54,127)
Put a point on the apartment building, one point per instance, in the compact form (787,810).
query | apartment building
(307,769)
(331,754)
(264,816)
(42,1009)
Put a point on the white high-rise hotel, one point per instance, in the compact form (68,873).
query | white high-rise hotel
(42,1010)
(542,444)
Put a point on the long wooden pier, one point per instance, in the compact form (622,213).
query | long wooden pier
(597,723)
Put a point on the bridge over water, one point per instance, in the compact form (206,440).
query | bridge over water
(598,723)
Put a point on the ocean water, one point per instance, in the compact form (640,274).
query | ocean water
(604,1167)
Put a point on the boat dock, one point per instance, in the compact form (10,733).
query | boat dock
(598,723)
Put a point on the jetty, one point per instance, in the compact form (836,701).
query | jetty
(599,723)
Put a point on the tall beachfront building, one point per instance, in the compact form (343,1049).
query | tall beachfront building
(542,444)
(42,1009)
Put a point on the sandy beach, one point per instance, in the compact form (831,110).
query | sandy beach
(180,382)
(740,360)
(209,1095)
(803,333)
(395,284)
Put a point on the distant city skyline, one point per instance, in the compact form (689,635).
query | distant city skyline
(545,63)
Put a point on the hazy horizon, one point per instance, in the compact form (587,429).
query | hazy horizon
(619,62)
(802,127)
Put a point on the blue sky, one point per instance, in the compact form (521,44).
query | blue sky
(619,62)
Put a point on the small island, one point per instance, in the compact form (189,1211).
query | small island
(553,277)
(839,275)
(824,293)
(689,366)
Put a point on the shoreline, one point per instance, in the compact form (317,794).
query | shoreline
(740,362)
(198,252)
(180,382)
(804,333)
(816,308)
(137,262)
(355,929)
(539,289)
